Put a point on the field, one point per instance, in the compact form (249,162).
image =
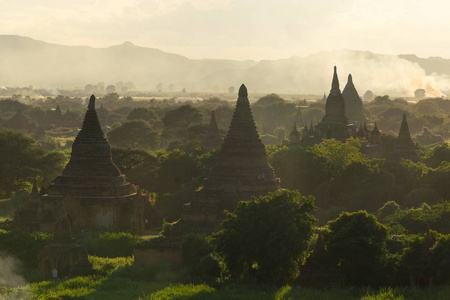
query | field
(118,278)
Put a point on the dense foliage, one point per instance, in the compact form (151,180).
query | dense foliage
(266,239)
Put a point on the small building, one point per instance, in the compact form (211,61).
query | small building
(404,146)
(213,139)
(63,256)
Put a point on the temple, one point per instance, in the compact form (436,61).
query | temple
(63,254)
(96,194)
(213,139)
(353,104)
(240,172)
(404,146)
(374,148)
(334,124)
(294,136)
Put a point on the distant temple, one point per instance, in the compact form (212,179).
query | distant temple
(374,148)
(241,171)
(213,139)
(96,195)
(354,110)
(334,124)
(404,146)
(294,136)
(299,116)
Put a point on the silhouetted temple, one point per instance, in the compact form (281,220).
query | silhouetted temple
(294,136)
(241,171)
(299,116)
(334,124)
(213,139)
(374,148)
(404,146)
(63,254)
(28,218)
(353,104)
(96,195)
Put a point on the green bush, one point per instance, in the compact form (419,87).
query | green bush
(193,248)
(108,244)
(388,209)
(24,246)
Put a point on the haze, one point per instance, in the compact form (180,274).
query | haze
(282,46)
(239,30)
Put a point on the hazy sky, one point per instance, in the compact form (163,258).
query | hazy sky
(241,29)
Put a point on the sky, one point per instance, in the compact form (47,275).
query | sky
(237,29)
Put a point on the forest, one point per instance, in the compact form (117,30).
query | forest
(342,225)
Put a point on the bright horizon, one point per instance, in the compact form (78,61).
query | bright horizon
(238,30)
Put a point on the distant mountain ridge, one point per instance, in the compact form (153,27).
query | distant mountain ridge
(25,61)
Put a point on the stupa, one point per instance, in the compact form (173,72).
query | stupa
(96,194)
(404,146)
(334,124)
(240,172)
(213,139)
(354,110)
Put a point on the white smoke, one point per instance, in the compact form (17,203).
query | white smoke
(10,278)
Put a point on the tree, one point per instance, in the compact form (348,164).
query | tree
(134,134)
(111,89)
(266,238)
(176,121)
(231,89)
(355,245)
(336,155)
(146,114)
(159,87)
(368,96)
(22,160)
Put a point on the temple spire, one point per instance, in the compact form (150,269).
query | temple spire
(91,105)
(213,139)
(335,84)
(34,190)
(63,229)
(404,146)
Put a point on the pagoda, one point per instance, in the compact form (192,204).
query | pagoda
(96,194)
(404,146)
(334,124)
(353,104)
(28,218)
(374,148)
(63,254)
(294,136)
(213,139)
(240,172)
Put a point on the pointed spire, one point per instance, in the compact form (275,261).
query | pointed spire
(91,153)
(63,229)
(350,79)
(242,141)
(91,105)
(213,139)
(213,128)
(243,91)
(335,84)
(403,135)
(243,97)
(404,146)
(35,196)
